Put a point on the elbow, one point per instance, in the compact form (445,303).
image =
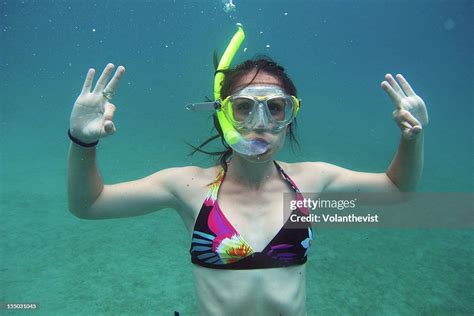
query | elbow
(402,186)
(79,215)
(79,212)
(407,187)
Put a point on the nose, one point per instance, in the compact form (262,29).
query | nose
(262,119)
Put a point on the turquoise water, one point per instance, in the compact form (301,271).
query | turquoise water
(337,53)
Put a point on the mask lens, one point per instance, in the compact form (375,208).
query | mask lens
(281,108)
(276,107)
(241,108)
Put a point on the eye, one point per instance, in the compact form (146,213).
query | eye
(276,107)
(241,108)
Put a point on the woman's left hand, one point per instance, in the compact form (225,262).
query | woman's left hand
(410,113)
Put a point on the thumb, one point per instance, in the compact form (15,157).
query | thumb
(108,128)
(411,133)
(108,125)
(109,110)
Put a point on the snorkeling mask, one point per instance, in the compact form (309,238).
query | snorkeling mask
(260,107)
(263,106)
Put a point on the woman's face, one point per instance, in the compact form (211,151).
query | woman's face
(276,140)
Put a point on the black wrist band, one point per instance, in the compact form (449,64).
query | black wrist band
(77,141)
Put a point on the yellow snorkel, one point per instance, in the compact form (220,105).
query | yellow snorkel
(231,135)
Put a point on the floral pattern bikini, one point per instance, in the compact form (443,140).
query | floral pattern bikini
(217,244)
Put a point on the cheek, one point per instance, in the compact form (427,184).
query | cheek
(280,139)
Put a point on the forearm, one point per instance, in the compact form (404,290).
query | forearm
(407,165)
(84,181)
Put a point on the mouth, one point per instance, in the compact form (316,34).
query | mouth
(264,143)
(260,140)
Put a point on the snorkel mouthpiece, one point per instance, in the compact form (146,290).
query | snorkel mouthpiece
(237,142)
(231,135)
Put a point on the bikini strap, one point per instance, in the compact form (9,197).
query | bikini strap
(287,178)
(214,186)
(299,195)
(216,183)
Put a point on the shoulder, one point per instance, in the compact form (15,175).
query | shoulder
(320,176)
(178,178)
(310,176)
(297,168)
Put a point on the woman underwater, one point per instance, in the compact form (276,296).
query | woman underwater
(234,211)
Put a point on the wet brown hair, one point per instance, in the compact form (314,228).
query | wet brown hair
(232,77)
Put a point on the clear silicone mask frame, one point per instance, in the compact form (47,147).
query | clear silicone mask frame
(260,107)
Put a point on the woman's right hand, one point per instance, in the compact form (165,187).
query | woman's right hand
(92,114)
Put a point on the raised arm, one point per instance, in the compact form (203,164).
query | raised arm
(405,170)
(88,197)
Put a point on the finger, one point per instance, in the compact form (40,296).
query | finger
(407,133)
(408,117)
(416,129)
(99,87)
(86,88)
(406,86)
(411,133)
(109,128)
(394,96)
(394,84)
(110,88)
(109,110)
(405,119)
(404,125)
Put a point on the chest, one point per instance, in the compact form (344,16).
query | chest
(256,216)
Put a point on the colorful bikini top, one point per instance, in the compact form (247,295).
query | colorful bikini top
(217,244)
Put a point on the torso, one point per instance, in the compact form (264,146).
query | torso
(277,291)
(258,217)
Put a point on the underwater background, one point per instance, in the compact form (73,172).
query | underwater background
(336,52)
